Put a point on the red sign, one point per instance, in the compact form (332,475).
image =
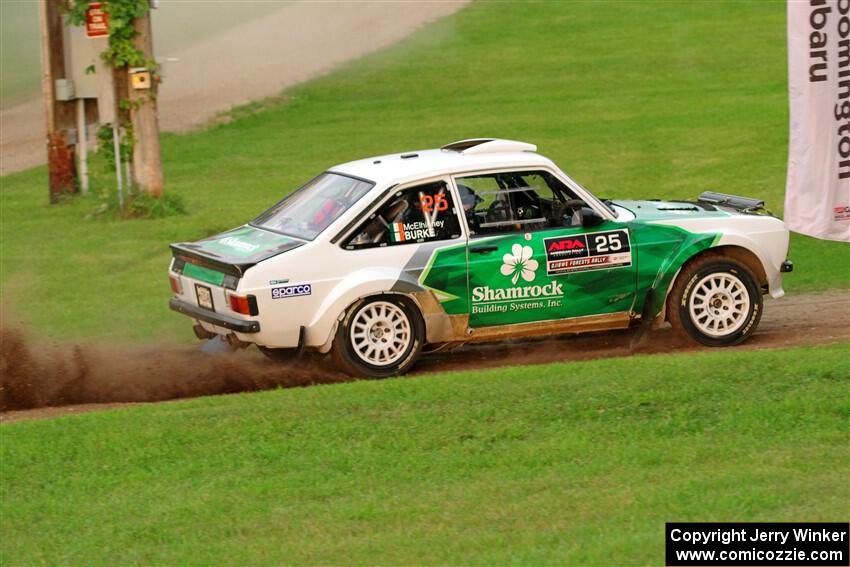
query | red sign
(97,21)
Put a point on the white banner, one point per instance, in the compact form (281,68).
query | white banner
(817,194)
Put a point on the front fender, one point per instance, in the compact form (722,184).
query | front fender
(765,237)
(771,249)
(661,252)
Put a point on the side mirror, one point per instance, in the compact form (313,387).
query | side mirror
(590,218)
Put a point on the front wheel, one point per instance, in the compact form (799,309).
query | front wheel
(378,337)
(715,301)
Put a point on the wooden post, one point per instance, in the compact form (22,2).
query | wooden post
(147,161)
(84,146)
(59,115)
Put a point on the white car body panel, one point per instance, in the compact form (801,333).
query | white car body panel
(338,278)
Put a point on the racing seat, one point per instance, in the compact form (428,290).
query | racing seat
(376,231)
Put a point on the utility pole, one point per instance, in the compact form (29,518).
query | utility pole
(147,161)
(59,114)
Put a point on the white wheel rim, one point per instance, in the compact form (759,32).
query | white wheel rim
(380,333)
(719,304)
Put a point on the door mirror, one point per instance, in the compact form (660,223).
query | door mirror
(590,218)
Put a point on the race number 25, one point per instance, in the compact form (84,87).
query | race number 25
(609,242)
(437,202)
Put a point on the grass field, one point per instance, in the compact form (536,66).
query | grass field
(578,463)
(560,464)
(632,99)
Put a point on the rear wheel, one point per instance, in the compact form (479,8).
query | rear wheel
(716,301)
(379,336)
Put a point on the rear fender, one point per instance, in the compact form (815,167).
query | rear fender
(357,285)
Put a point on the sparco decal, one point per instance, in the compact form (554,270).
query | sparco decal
(582,252)
(291,291)
(841,213)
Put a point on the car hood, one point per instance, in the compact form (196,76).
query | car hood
(662,210)
(238,249)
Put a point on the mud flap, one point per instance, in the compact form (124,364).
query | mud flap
(647,318)
(299,350)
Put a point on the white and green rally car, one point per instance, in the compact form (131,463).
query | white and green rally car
(379,259)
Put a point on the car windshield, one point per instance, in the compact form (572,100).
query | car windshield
(310,210)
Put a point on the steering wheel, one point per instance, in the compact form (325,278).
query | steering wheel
(497,211)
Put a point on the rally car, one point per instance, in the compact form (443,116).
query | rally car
(380,259)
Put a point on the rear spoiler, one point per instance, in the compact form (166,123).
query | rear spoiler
(231,265)
(182,253)
(743,204)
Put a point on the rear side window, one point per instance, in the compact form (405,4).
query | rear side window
(423,213)
(311,209)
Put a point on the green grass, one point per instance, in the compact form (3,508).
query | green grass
(565,463)
(577,463)
(632,99)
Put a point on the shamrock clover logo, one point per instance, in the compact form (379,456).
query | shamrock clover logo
(519,263)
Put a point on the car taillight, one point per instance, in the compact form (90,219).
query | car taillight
(246,305)
(176,286)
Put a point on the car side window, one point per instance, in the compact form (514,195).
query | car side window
(517,201)
(423,213)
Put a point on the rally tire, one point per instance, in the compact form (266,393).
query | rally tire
(716,301)
(379,336)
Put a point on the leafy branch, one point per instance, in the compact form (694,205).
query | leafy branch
(122,51)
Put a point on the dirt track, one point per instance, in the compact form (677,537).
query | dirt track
(252,60)
(68,379)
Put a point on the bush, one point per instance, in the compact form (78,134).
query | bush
(143,206)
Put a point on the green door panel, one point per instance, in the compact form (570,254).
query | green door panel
(540,276)
(525,278)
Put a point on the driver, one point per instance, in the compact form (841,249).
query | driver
(468,198)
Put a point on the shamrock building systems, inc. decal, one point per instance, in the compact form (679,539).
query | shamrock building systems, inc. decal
(519,267)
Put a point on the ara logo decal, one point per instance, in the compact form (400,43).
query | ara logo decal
(595,251)
(565,246)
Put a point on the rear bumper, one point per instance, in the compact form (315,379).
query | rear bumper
(201,314)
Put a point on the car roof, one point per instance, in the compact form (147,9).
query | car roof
(464,155)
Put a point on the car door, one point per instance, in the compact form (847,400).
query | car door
(529,258)
(408,231)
